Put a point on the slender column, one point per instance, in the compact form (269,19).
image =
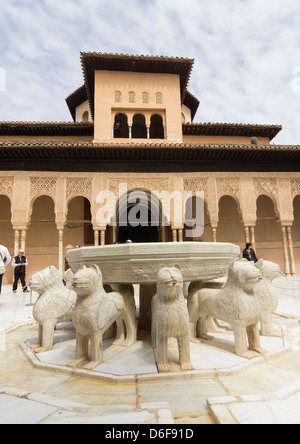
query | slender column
(130,132)
(174,232)
(247,235)
(214,234)
(252,237)
(180,235)
(17,242)
(102,236)
(285,251)
(96,238)
(61,250)
(291,250)
(23,239)
(148,132)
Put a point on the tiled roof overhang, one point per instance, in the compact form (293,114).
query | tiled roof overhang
(75,99)
(46,129)
(71,156)
(231,129)
(93,61)
(192,103)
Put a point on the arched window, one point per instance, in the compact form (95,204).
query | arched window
(159,97)
(118,97)
(157,127)
(145,97)
(121,128)
(131,97)
(139,130)
(85,117)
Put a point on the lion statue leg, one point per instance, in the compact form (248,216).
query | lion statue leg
(162,353)
(46,332)
(254,339)
(241,344)
(96,351)
(81,352)
(202,328)
(184,352)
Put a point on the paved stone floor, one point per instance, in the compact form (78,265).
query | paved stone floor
(263,393)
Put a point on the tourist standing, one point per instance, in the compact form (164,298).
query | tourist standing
(20,263)
(4,261)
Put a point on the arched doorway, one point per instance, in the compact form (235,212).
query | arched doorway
(231,226)
(202,219)
(139,129)
(78,228)
(296,232)
(156,127)
(121,128)
(139,217)
(42,236)
(7,233)
(268,231)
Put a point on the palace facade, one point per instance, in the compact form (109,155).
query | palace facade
(132,123)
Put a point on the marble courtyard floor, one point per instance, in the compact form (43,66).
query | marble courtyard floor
(223,388)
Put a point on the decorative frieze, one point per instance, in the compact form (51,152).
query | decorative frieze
(43,185)
(6,186)
(295,187)
(266,186)
(79,186)
(228,186)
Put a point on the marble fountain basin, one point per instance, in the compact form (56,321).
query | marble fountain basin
(139,263)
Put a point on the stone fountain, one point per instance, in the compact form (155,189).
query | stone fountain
(139,264)
(107,344)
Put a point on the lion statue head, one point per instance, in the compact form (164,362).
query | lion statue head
(46,279)
(169,282)
(244,274)
(269,270)
(87,280)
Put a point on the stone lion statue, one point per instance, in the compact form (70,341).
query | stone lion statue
(170,319)
(193,309)
(267,295)
(95,311)
(236,304)
(54,305)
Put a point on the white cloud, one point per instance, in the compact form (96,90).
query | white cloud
(245,51)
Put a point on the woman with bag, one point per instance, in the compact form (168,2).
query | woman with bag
(4,261)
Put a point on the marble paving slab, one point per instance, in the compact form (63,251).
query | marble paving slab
(218,353)
(278,408)
(18,407)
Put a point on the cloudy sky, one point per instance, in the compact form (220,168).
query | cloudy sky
(247,54)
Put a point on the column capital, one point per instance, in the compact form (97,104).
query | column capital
(20,227)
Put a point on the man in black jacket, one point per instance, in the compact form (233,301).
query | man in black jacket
(249,254)
(20,263)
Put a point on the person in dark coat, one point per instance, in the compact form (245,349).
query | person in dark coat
(20,263)
(249,254)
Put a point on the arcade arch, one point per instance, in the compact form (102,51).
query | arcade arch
(7,233)
(230,227)
(78,228)
(42,236)
(268,230)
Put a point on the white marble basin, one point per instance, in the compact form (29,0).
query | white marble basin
(138,263)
